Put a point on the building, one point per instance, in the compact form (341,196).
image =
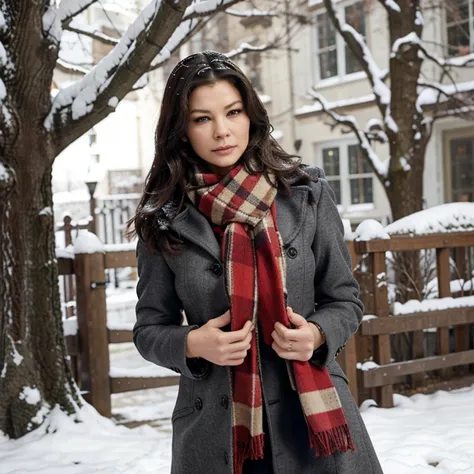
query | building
(319,59)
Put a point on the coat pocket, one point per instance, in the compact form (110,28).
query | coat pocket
(177,414)
(184,404)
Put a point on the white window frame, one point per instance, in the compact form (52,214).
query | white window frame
(346,205)
(470,22)
(340,50)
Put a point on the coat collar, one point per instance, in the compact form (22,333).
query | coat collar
(291,211)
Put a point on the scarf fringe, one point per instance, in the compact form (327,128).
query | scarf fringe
(248,450)
(328,442)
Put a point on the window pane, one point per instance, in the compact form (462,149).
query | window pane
(328,64)
(355,16)
(361,191)
(457,10)
(357,162)
(458,39)
(326,32)
(331,161)
(462,169)
(352,65)
(335,185)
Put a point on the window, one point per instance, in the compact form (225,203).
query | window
(348,174)
(333,56)
(360,177)
(460,27)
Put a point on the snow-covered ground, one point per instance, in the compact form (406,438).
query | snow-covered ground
(422,434)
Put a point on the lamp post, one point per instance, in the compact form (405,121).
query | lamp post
(91,185)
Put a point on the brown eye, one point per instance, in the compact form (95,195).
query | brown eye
(235,112)
(201,119)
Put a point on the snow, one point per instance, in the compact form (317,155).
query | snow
(370,229)
(429,95)
(70,326)
(52,24)
(451,217)
(410,38)
(67,252)
(393,5)
(249,13)
(30,395)
(121,247)
(113,102)
(317,107)
(369,365)
(245,47)
(415,306)
(421,434)
(87,242)
(3,171)
(47,211)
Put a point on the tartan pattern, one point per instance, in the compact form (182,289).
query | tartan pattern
(255,270)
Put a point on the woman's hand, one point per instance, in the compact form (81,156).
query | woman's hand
(217,346)
(298,343)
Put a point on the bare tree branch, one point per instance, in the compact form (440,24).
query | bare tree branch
(160,25)
(379,168)
(71,68)
(95,35)
(250,13)
(356,42)
(68,9)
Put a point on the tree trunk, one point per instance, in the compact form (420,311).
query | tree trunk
(35,376)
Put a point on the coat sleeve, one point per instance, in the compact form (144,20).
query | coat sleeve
(338,309)
(158,334)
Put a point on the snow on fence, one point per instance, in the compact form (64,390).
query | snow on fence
(88,346)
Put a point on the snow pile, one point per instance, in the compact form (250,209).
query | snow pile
(62,446)
(415,306)
(451,217)
(370,229)
(87,242)
(421,434)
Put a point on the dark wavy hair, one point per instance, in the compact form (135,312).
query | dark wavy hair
(172,168)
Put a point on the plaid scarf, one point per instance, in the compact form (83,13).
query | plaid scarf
(244,205)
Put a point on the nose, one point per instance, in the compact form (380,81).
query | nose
(221,129)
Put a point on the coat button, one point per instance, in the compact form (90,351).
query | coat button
(216,269)
(225,401)
(292,252)
(198,403)
(226,457)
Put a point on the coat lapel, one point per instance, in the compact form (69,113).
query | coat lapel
(291,212)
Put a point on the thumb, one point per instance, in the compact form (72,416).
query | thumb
(220,321)
(295,318)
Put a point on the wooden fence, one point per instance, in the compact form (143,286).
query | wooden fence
(90,353)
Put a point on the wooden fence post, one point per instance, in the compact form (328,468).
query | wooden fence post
(444,291)
(92,321)
(382,352)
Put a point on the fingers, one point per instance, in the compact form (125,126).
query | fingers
(295,318)
(220,321)
(237,336)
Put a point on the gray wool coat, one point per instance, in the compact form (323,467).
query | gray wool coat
(320,287)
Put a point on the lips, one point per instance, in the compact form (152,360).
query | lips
(224,148)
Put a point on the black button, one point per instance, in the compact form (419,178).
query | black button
(225,401)
(198,403)
(216,269)
(292,252)
(226,457)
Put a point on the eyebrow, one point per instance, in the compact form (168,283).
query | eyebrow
(208,111)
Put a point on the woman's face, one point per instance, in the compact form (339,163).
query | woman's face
(218,126)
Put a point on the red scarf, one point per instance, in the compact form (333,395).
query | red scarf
(244,204)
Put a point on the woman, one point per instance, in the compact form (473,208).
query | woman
(247,243)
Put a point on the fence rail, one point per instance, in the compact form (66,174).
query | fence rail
(90,354)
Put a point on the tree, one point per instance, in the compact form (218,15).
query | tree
(34,129)
(407,102)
